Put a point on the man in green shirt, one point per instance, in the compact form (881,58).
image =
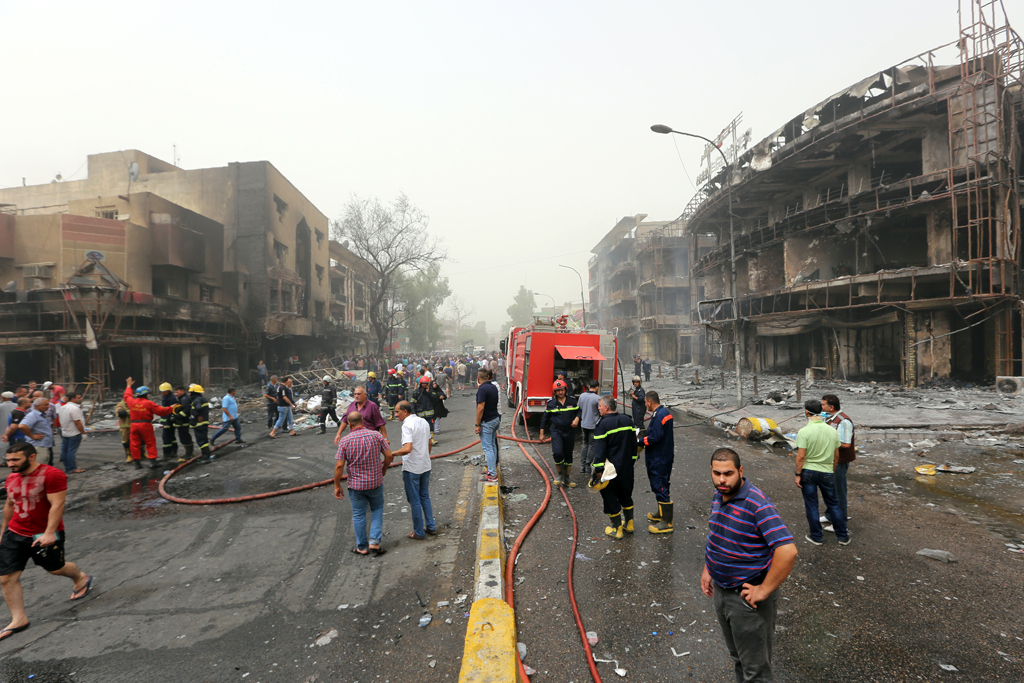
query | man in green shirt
(817,452)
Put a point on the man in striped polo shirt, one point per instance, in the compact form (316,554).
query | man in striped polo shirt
(749,553)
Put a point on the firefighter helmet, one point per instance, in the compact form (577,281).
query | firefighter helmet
(392,371)
(196,389)
(424,380)
(559,384)
(327,378)
(142,391)
(166,386)
(372,374)
(636,378)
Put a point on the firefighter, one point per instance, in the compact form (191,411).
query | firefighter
(562,416)
(180,419)
(328,400)
(615,442)
(638,405)
(167,398)
(396,389)
(199,418)
(373,388)
(659,452)
(124,426)
(423,403)
(141,411)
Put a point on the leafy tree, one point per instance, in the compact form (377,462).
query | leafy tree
(421,295)
(393,239)
(521,310)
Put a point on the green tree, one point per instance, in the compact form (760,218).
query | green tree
(521,310)
(421,295)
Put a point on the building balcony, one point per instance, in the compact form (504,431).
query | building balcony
(653,322)
(174,245)
(620,296)
(665,281)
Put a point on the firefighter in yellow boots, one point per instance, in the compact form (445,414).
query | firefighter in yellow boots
(615,443)
(562,417)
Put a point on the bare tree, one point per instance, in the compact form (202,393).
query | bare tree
(459,312)
(393,239)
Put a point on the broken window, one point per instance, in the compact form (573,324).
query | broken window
(280,249)
(282,207)
(106,212)
(319,273)
(359,314)
(287,305)
(319,239)
(318,310)
(206,293)
(162,287)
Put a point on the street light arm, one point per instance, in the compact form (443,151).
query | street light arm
(657,128)
(583,301)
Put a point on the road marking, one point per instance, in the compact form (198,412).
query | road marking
(451,550)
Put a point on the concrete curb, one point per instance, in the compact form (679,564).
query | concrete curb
(489,654)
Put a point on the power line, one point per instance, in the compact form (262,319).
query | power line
(519,263)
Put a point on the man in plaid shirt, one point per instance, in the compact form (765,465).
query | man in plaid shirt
(360,450)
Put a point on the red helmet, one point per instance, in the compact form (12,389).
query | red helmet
(559,384)
(392,371)
(424,380)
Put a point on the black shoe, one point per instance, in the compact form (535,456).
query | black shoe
(138,464)
(239,441)
(154,465)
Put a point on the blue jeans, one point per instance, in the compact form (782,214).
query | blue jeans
(840,478)
(228,424)
(489,442)
(811,481)
(68,449)
(359,500)
(284,417)
(417,492)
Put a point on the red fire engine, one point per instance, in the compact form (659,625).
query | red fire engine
(535,354)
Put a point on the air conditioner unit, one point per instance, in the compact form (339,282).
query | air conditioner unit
(37,271)
(1010,386)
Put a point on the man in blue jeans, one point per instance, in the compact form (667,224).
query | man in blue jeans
(816,457)
(415,452)
(72,431)
(360,450)
(229,408)
(488,419)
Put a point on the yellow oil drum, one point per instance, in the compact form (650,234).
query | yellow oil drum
(755,427)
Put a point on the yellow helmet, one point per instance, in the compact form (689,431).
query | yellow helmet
(166,386)
(196,388)
(371,373)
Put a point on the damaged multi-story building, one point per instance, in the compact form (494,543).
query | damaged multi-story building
(877,233)
(167,274)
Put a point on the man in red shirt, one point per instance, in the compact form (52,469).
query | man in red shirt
(141,411)
(33,527)
(372,419)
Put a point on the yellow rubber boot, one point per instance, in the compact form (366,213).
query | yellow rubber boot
(566,471)
(665,525)
(615,530)
(654,516)
(557,481)
(627,513)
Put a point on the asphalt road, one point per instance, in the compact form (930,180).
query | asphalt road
(212,593)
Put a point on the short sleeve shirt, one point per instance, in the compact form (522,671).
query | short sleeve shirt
(487,394)
(589,414)
(282,393)
(416,430)
(69,412)
(28,493)
(372,419)
(819,442)
(38,423)
(361,451)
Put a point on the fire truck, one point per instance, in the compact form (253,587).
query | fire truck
(536,353)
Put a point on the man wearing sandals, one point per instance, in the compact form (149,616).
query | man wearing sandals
(360,451)
(415,452)
(33,528)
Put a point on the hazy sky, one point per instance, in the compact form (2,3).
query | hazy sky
(521,129)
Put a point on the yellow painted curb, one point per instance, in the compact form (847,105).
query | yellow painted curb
(490,652)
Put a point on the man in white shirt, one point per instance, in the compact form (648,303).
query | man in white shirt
(415,452)
(72,431)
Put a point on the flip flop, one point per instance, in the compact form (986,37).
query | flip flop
(88,587)
(378,551)
(412,535)
(432,532)
(77,470)
(357,551)
(12,631)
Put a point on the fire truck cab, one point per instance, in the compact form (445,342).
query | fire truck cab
(535,354)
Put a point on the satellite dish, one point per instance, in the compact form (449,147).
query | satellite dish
(133,171)
(12,286)
(59,177)
(345,244)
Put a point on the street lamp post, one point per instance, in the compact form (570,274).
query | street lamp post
(553,304)
(665,130)
(583,301)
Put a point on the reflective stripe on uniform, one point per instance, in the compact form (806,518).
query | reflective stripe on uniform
(612,431)
(562,410)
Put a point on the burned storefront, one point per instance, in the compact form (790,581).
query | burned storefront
(877,234)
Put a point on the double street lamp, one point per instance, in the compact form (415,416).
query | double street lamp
(665,130)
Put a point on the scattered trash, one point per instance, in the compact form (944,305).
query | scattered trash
(461,599)
(925,469)
(940,555)
(420,598)
(620,671)
(443,603)
(592,638)
(515,498)
(581,556)
(424,620)
(433,663)
(522,650)
(948,667)
(295,457)
(860,578)
(954,469)
(667,617)
(679,654)
(529,670)
(345,606)
(326,638)
(403,618)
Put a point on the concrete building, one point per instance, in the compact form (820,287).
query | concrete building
(877,233)
(239,242)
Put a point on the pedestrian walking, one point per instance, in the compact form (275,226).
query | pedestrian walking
(461,372)
(372,419)
(37,429)
(270,395)
(748,554)
(615,443)
(285,405)
(13,433)
(181,414)
(167,430)
(141,411)
(561,418)
(817,452)
(638,365)
(589,417)
(415,452)
(843,425)
(72,432)
(488,420)
(261,374)
(33,528)
(395,391)
(360,452)
(638,403)
(437,399)
(647,369)
(659,453)
(328,403)
(229,417)
(199,419)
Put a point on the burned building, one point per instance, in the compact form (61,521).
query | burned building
(878,232)
(167,274)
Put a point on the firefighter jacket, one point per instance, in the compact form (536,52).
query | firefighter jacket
(615,440)
(424,402)
(168,401)
(659,441)
(396,387)
(142,409)
(182,411)
(123,416)
(373,389)
(560,416)
(328,397)
(200,412)
(437,397)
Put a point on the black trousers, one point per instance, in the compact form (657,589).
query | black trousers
(562,445)
(324,412)
(271,415)
(618,493)
(169,440)
(203,439)
(184,435)
(748,633)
